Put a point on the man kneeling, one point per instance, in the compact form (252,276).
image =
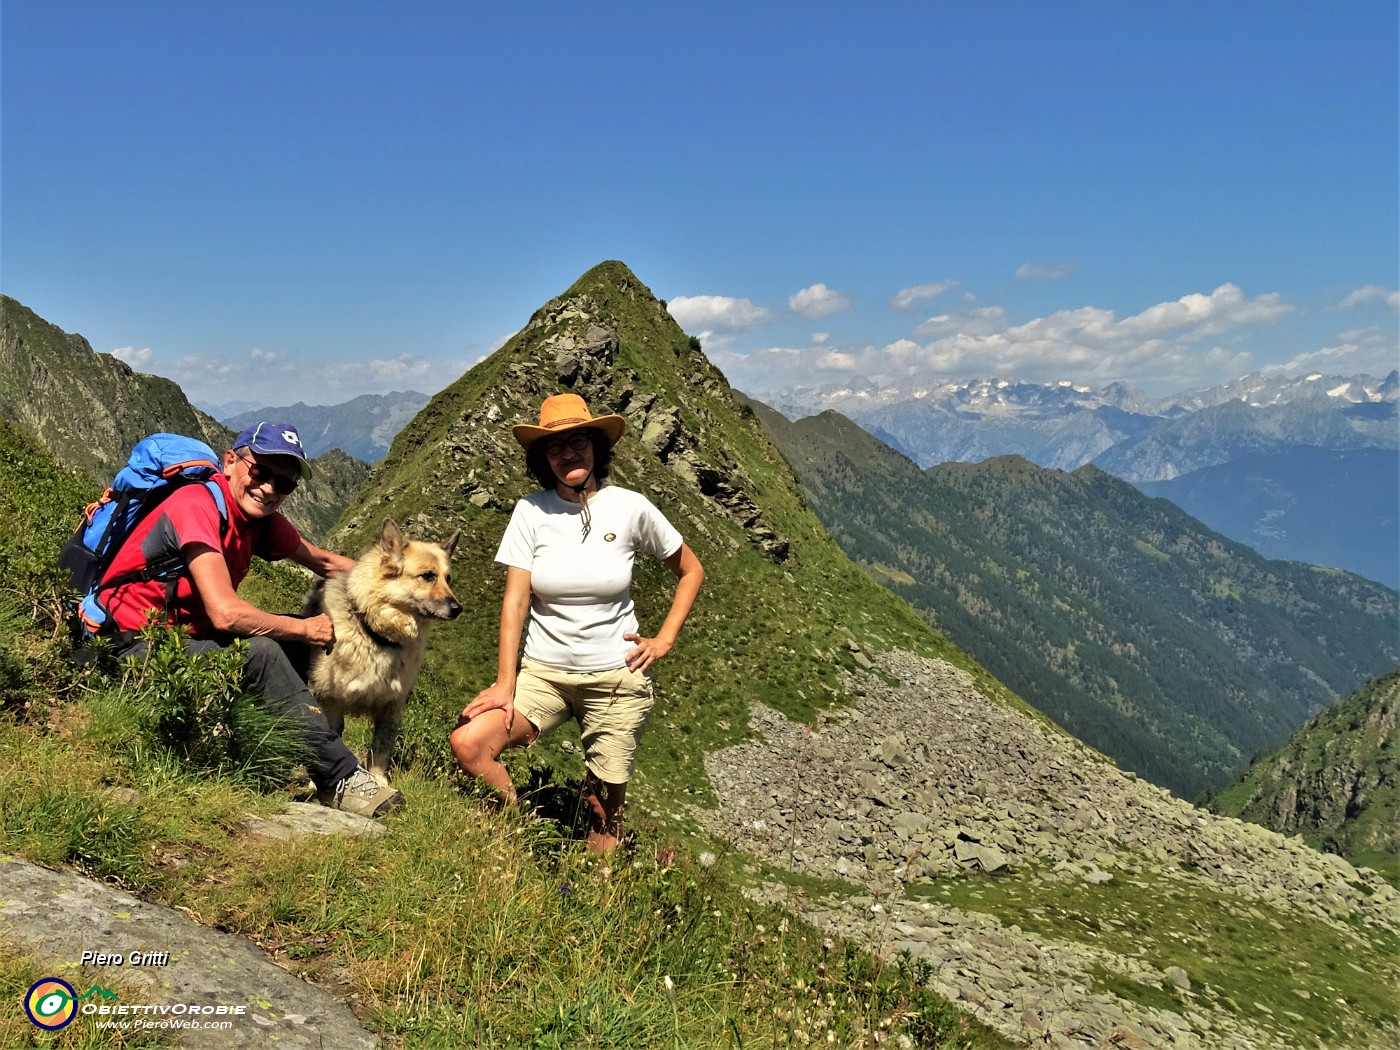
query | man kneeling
(264,466)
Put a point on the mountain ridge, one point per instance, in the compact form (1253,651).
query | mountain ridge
(1335,782)
(362,427)
(1130,623)
(90,409)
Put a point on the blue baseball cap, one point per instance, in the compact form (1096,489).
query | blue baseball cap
(274,439)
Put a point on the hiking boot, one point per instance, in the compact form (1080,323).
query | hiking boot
(361,793)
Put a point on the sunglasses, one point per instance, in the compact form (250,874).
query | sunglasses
(260,475)
(575,442)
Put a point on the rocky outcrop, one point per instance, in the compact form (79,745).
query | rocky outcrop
(583,353)
(1336,781)
(167,961)
(928,780)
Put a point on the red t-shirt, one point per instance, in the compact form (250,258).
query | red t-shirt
(188,516)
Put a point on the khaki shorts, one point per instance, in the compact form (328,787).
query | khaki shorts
(611,708)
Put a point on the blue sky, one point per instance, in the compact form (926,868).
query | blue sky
(309,200)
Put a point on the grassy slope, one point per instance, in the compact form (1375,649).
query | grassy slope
(1141,632)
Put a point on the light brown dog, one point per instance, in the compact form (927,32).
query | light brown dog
(381,611)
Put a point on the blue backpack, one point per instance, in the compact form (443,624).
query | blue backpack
(158,466)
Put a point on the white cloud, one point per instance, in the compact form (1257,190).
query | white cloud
(1369,294)
(137,359)
(1206,315)
(982,321)
(837,361)
(821,338)
(1049,272)
(716,311)
(1170,343)
(817,301)
(402,369)
(908,298)
(193,368)
(1362,350)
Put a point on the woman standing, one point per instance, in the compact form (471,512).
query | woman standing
(568,553)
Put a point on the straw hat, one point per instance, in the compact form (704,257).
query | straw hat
(564,412)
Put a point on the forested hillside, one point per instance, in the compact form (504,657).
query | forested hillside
(1177,652)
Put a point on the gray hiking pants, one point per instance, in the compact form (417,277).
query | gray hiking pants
(269,674)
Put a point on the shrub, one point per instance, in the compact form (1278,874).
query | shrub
(193,706)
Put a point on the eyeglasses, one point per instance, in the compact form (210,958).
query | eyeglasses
(259,475)
(574,442)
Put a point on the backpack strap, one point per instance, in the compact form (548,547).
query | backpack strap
(178,568)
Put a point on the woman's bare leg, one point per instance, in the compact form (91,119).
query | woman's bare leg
(478,745)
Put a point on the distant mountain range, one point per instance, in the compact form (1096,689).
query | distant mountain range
(226,409)
(1136,437)
(1253,441)
(363,427)
(1307,504)
(1173,650)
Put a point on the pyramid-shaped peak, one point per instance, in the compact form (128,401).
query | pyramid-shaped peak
(607,278)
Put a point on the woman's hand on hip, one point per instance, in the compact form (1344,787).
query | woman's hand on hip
(494,697)
(647,652)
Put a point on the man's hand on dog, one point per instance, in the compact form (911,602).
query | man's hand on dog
(493,697)
(320,632)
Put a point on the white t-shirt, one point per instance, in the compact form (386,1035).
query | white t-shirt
(581,588)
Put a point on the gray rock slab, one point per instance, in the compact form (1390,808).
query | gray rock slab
(56,916)
(310,818)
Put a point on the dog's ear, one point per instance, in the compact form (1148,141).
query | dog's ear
(451,543)
(392,541)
